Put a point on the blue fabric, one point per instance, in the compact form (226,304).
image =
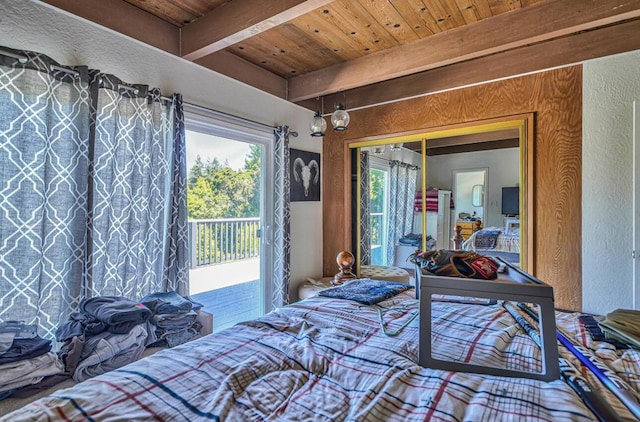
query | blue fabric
(7,394)
(93,188)
(25,348)
(177,259)
(44,169)
(366,290)
(169,303)
(119,313)
(487,238)
(281,219)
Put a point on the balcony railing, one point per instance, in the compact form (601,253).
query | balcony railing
(223,240)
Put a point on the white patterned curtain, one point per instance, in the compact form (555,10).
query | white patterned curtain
(365,210)
(133,145)
(176,270)
(402,185)
(281,226)
(44,160)
(88,204)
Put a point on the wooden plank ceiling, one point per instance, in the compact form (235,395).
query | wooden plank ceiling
(302,50)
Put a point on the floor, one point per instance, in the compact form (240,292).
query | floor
(232,304)
(230,291)
(217,276)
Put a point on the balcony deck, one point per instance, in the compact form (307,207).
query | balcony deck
(230,291)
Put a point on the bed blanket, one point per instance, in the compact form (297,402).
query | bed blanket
(327,359)
(501,243)
(487,238)
(366,290)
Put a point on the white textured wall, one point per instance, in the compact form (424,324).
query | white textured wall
(72,41)
(610,86)
(503,167)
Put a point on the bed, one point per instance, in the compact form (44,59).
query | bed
(496,242)
(327,359)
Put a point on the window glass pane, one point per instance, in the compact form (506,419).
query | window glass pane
(378,189)
(224,205)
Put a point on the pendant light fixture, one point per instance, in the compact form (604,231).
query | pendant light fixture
(340,118)
(319,125)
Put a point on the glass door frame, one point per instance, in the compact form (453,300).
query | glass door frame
(217,124)
(375,164)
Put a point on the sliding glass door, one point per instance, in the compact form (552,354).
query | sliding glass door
(229,218)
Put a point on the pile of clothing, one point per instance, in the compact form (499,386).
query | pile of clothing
(106,333)
(411,239)
(174,318)
(27,364)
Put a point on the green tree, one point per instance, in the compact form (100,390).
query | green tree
(376,202)
(215,190)
(376,190)
(252,164)
(196,171)
(202,201)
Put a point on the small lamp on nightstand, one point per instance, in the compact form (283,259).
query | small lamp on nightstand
(345,260)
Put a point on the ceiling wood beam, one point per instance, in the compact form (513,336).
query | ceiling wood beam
(576,48)
(136,23)
(538,23)
(238,20)
(479,146)
(241,70)
(126,19)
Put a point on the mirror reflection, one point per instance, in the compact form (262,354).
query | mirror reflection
(471,182)
(390,207)
(477,195)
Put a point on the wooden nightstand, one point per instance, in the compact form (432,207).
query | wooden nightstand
(469,227)
(309,289)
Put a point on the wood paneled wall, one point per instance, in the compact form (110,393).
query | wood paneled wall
(555,97)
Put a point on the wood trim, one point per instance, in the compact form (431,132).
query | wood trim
(474,138)
(476,146)
(554,167)
(560,52)
(126,19)
(534,24)
(531,192)
(241,70)
(238,20)
(348,209)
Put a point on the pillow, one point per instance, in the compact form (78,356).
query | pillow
(366,290)
(451,263)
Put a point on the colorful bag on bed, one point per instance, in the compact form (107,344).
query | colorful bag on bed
(450,263)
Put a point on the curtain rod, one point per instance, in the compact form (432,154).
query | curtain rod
(25,59)
(219,113)
(231,116)
(19,57)
(376,157)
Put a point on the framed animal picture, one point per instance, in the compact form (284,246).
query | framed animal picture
(305,175)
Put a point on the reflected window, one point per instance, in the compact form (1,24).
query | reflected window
(379,214)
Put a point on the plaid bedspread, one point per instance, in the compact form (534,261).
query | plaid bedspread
(327,359)
(502,243)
